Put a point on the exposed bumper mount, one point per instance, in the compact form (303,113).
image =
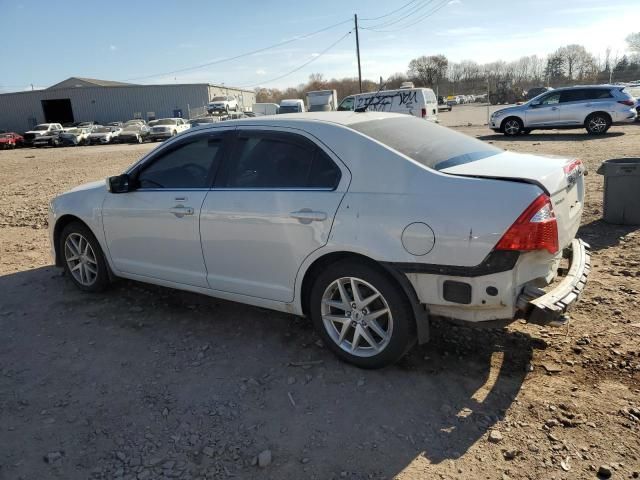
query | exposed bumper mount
(549,308)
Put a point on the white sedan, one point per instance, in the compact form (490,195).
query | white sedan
(368,223)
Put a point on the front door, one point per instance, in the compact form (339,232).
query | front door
(545,112)
(272,206)
(154,231)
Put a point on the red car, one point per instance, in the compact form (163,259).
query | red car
(10,140)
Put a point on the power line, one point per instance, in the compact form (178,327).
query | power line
(412,12)
(303,65)
(246,54)
(390,13)
(414,22)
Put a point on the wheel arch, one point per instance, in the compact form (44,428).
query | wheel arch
(61,223)
(311,273)
(509,118)
(601,112)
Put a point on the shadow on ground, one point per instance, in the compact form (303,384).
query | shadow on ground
(556,136)
(155,373)
(600,234)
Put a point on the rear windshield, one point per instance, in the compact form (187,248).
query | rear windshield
(425,142)
(289,109)
(166,121)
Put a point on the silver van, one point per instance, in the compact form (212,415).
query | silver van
(594,108)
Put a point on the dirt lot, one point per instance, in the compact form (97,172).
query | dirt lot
(149,383)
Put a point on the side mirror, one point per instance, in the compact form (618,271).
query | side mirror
(119,183)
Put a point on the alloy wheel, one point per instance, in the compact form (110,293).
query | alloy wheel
(81,259)
(356,316)
(512,127)
(597,124)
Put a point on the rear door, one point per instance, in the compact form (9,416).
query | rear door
(544,112)
(273,204)
(573,106)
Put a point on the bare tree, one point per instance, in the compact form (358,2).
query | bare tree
(428,70)
(633,41)
(577,62)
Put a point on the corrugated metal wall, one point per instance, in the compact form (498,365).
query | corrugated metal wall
(246,98)
(20,111)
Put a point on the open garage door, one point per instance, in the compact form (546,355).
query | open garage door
(57,111)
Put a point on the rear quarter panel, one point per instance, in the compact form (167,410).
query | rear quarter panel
(389,191)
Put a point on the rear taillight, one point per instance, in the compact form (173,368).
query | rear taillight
(629,103)
(535,229)
(424,112)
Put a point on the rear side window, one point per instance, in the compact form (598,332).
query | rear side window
(279,160)
(573,95)
(425,142)
(596,93)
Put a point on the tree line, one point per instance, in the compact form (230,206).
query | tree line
(568,65)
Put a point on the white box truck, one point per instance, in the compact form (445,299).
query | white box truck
(265,108)
(322,100)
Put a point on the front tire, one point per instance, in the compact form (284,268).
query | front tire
(597,124)
(512,127)
(83,259)
(362,315)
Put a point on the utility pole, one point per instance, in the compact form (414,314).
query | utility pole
(355,17)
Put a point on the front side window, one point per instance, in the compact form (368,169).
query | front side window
(279,160)
(347,104)
(551,99)
(188,165)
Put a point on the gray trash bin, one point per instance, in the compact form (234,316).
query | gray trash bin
(621,190)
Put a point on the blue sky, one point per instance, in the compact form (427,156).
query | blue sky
(46,42)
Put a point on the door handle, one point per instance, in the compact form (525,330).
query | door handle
(306,216)
(180,211)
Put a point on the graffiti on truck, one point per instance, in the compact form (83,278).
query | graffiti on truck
(383,102)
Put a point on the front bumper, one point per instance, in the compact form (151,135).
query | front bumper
(549,308)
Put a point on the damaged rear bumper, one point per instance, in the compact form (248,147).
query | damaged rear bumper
(549,307)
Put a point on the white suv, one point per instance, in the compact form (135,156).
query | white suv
(595,108)
(222,104)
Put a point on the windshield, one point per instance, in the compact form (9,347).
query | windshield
(134,122)
(289,109)
(153,122)
(41,127)
(102,130)
(425,142)
(219,99)
(166,121)
(132,128)
(73,130)
(5,135)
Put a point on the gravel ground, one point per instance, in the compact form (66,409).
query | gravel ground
(144,382)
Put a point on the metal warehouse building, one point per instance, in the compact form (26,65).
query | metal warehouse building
(84,99)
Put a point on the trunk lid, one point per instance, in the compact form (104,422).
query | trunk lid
(562,179)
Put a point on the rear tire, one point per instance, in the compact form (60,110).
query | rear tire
(512,126)
(382,327)
(597,124)
(83,259)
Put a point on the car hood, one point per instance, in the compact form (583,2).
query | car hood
(503,111)
(96,134)
(97,185)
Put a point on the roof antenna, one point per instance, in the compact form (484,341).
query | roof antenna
(364,109)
